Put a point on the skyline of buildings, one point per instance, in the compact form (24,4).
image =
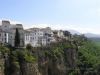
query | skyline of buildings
(34,36)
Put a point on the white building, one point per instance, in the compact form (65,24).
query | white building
(3,37)
(12,32)
(58,33)
(37,37)
(8,30)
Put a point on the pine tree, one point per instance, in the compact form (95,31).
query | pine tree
(17,38)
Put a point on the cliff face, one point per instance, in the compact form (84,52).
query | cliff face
(2,65)
(52,66)
(58,61)
(53,60)
(29,69)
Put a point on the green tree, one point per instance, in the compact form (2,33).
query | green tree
(17,38)
(29,47)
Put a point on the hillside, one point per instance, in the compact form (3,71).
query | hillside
(96,41)
(78,57)
(91,35)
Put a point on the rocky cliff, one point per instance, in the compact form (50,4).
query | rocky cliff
(51,60)
(2,65)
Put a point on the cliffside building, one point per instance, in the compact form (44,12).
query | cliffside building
(38,37)
(7,32)
(34,36)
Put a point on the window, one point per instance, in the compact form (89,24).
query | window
(48,40)
(5,34)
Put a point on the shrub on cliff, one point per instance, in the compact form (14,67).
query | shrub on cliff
(4,49)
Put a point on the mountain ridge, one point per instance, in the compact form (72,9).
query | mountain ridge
(89,35)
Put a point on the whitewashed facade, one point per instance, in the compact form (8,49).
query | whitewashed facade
(3,37)
(12,32)
(58,33)
(38,37)
(9,30)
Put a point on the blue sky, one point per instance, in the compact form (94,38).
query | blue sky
(80,15)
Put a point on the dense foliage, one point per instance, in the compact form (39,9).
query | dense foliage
(88,56)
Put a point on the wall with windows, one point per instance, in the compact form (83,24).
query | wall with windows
(3,37)
(38,37)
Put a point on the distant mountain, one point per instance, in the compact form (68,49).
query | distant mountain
(91,35)
(88,35)
(95,39)
(74,32)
